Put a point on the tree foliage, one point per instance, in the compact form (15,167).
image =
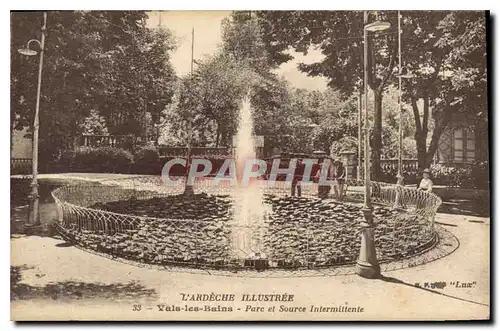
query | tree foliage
(445,50)
(94,124)
(209,99)
(242,39)
(339,36)
(295,119)
(108,61)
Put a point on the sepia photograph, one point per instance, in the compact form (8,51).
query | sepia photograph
(250,165)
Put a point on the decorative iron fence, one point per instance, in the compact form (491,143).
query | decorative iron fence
(124,141)
(409,168)
(145,220)
(200,152)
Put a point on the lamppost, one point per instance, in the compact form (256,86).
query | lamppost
(33,219)
(360,133)
(188,188)
(367,265)
(401,75)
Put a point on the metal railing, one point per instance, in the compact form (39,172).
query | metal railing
(200,152)
(107,140)
(145,220)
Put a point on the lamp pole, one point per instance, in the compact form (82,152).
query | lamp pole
(367,200)
(33,219)
(192,49)
(401,75)
(367,264)
(188,189)
(400,131)
(360,121)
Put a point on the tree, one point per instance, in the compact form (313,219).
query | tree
(130,99)
(209,99)
(70,51)
(338,34)
(271,96)
(242,38)
(338,122)
(447,54)
(94,124)
(102,60)
(446,51)
(390,122)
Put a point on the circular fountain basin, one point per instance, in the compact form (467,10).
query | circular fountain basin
(169,228)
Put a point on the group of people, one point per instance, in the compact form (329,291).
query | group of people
(336,172)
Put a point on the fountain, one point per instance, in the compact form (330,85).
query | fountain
(252,225)
(249,210)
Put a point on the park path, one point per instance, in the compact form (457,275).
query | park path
(58,281)
(72,283)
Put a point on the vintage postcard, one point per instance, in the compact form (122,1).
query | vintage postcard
(250,165)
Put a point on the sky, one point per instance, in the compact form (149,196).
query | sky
(207,36)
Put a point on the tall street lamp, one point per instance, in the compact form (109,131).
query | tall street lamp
(33,219)
(360,134)
(367,265)
(401,75)
(188,188)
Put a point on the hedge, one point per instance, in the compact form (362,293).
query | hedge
(98,159)
(147,161)
(472,176)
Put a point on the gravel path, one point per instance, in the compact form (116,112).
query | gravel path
(54,281)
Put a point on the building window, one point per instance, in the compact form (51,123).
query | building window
(464,146)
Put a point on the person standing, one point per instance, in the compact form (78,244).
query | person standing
(425,185)
(324,188)
(297,178)
(339,180)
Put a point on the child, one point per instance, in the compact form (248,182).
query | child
(426,182)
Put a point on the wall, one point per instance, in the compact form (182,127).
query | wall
(480,129)
(21,146)
(445,148)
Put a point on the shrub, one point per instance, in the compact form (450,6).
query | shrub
(390,176)
(101,159)
(474,175)
(451,176)
(19,191)
(147,161)
(65,161)
(481,176)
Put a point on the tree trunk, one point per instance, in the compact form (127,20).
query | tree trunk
(420,139)
(439,128)
(424,154)
(12,124)
(377,134)
(223,137)
(420,135)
